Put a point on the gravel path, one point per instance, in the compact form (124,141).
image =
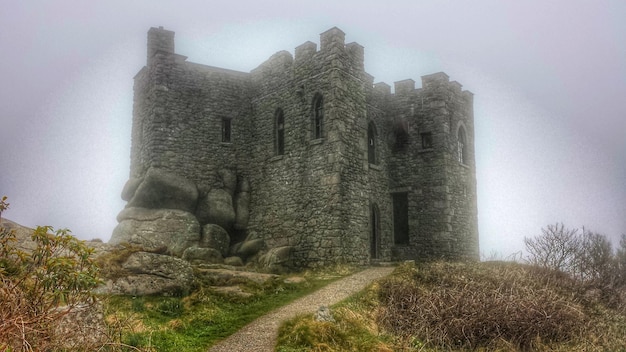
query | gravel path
(260,335)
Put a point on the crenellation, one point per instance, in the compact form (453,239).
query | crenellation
(404,87)
(333,38)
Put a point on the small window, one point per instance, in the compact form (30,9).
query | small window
(226,130)
(427,140)
(318,117)
(371,143)
(462,146)
(279,132)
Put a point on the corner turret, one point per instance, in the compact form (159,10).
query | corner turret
(159,39)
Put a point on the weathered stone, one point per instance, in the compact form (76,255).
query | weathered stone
(161,189)
(243,185)
(220,205)
(152,274)
(242,210)
(324,314)
(152,229)
(197,255)
(214,236)
(130,188)
(279,256)
(82,327)
(228,179)
(249,248)
(233,261)
(202,208)
(229,276)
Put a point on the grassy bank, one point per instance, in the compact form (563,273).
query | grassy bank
(468,307)
(197,321)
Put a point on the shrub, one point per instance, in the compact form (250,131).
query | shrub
(479,306)
(585,256)
(39,288)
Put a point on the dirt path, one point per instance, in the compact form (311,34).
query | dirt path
(260,335)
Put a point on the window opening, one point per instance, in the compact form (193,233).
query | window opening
(318,117)
(371,143)
(375,233)
(226,130)
(462,146)
(427,140)
(280,132)
(401,218)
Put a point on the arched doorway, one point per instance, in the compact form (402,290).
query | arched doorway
(374,232)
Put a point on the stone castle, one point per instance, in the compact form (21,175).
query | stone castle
(304,156)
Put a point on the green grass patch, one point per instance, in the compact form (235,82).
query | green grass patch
(199,320)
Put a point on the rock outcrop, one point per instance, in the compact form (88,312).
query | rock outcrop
(167,230)
(152,274)
(161,189)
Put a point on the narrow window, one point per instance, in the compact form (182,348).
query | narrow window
(462,146)
(401,218)
(375,233)
(226,130)
(427,140)
(279,132)
(371,143)
(318,117)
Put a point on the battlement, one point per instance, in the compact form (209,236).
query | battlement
(305,50)
(332,42)
(404,87)
(382,87)
(332,38)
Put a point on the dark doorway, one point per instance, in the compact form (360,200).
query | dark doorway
(375,232)
(400,218)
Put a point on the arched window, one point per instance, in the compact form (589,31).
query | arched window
(279,132)
(371,143)
(318,116)
(462,146)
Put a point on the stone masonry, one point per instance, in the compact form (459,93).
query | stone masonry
(305,156)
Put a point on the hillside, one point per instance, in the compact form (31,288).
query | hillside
(492,306)
(22,234)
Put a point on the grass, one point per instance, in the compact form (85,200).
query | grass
(466,307)
(199,320)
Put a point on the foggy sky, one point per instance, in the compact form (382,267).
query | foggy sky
(549,79)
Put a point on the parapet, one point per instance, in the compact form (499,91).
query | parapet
(305,50)
(279,62)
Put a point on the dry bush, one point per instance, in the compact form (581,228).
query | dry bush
(585,256)
(478,305)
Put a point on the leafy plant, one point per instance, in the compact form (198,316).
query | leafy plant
(41,286)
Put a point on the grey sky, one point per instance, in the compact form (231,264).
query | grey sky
(549,79)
